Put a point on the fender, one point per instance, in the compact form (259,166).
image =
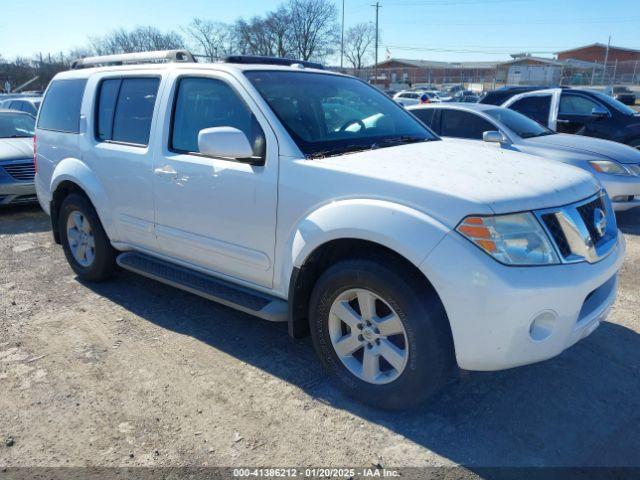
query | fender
(405,230)
(76,171)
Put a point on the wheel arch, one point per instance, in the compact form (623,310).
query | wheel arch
(355,229)
(73,176)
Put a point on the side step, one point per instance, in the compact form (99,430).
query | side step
(221,291)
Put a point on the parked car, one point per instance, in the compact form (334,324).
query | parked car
(616,166)
(29,105)
(16,157)
(622,94)
(465,97)
(415,97)
(402,254)
(580,112)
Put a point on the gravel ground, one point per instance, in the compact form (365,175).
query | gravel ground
(132,372)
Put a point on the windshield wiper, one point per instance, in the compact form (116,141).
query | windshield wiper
(401,140)
(337,151)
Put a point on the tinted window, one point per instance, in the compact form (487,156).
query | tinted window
(425,115)
(536,107)
(29,108)
(576,105)
(15,105)
(16,125)
(107,97)
(456,123)
(518,123)
(612,102)
(205,103)
(61,106)
(301,101)
(134,110)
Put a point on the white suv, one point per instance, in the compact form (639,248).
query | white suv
(309,197)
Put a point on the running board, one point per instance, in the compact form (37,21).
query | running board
(221,291)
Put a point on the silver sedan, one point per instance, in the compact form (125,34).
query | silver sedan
(616,165)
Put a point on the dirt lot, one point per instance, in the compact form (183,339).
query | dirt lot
(132,372)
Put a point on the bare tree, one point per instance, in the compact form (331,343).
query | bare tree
(140,39)
(210,38)
(254,37)
(357,44)
(278,23)
(314,31)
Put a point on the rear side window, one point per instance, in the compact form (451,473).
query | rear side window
(455,123)
(125,110)
(536,107)
(576,105)
(61,106)
(425,115)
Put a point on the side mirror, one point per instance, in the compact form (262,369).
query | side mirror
(599,112)
(226,142)
(493,136)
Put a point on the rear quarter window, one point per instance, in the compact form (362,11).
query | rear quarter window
(61,106)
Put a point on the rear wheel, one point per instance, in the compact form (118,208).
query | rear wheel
(380,333)
(84,241)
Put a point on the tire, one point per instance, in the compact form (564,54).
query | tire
(425,343)
(100,259)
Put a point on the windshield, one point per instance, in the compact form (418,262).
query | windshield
(612,102)
(521,125)
(16,125)
(330,114)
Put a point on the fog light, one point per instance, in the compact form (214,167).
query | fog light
(622,198)
(542,326)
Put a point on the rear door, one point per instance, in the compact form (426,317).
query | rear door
(118,149)
(540,105)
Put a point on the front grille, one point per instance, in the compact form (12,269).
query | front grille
(586,211)
(21,171)
(574,232)
(556,232)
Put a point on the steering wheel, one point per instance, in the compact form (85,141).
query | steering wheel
(347,124)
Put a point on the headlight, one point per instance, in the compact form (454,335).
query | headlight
(515,239)
(605,166)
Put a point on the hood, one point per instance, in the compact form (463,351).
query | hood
(450,179)
(588,145)
(16,148)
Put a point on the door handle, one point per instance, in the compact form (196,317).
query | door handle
(166,171)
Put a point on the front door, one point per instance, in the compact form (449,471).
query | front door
(216,213)
(578,113)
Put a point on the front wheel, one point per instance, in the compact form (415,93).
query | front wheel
(381,333)
(84,241)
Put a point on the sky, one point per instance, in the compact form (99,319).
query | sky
(444,30)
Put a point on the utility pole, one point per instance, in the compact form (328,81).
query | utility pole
(342,39)
(375,65)
(606,59)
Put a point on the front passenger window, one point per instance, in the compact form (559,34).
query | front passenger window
(205,103)
(576,105)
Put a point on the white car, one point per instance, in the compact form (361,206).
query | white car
(616,166)
(415,97)
(403,255)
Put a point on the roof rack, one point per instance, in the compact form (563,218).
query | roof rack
(162,56)
(249,59)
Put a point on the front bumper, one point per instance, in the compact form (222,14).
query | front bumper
(14,191)
(621,186)
(491,307)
